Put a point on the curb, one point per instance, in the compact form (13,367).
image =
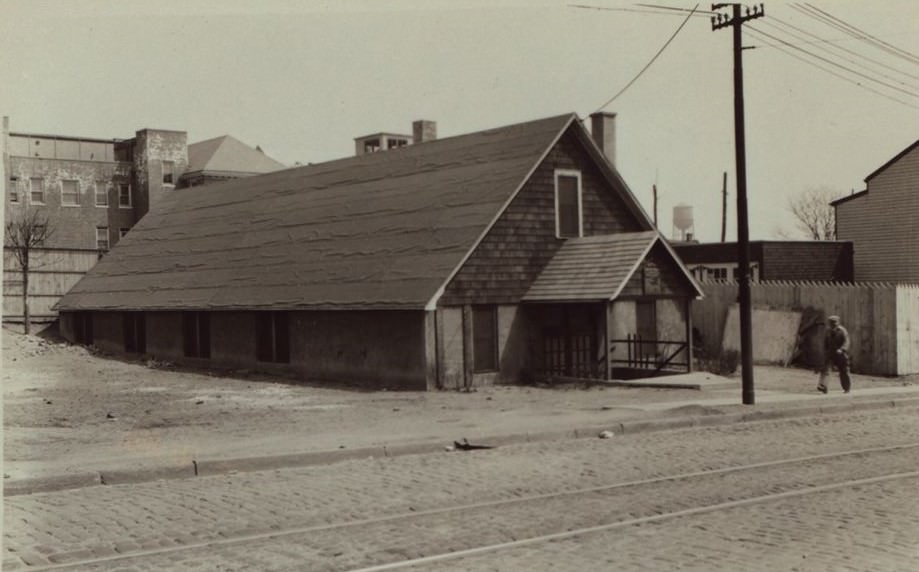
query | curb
(205,468)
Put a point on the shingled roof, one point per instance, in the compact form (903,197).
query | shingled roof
(378,231)
(592,267)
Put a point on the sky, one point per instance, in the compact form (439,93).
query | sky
(302,79)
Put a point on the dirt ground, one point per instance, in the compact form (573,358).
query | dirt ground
(66,410)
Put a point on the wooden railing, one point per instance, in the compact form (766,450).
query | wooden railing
(650,354)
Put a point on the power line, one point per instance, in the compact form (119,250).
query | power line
(834,73)
(903,53)
(827,19)
(633,10)
(842,57)
(820,40)
(659,52)
(850,70)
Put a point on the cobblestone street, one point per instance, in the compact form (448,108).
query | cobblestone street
(316,518)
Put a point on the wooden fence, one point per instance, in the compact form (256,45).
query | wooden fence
(882,318)
(55,271)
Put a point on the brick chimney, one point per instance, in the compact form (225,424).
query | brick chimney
(603,130)
(424,130)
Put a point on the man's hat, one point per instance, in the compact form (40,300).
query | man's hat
(833,319)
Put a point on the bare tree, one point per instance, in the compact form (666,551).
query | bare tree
(23,235)
(813,214)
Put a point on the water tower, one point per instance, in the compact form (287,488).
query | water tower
(683,228)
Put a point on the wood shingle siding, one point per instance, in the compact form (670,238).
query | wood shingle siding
(523,240)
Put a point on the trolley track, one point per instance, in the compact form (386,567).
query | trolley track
(406,539)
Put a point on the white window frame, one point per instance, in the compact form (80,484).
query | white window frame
(558,227)
(108,242)
(130,196)
(97,194)
(77,183)
(32,200)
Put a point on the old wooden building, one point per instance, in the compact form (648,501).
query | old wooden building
(881,221)
(483,258)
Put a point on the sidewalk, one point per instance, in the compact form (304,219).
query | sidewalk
(72,419)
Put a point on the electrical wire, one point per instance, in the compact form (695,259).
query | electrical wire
(633,10)
(659,52)
(849,60)
(907,55)
(829,20)
(757,33)
(781,22)
(823,59)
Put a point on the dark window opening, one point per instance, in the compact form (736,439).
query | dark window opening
(168,172)
(484,338)
(569,206)
(83,328)
(371,145)
(396,143)
(196,334)
(272,337)
(135,333)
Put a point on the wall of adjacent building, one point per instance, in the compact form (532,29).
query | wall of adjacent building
(882,223)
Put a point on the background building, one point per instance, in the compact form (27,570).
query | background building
(881,221)
(92,191)
(799,260)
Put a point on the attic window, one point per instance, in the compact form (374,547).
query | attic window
(371,145)
(568,211)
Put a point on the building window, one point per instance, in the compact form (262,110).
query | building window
(484,338)
(14,189)
(135,332)
(396,143)
(371,145)
(568,204)
(124,195)
(37,191)
(272,337)
(718,274)
(70,193)
(102,242)
(196,334)
(101,194)
(169,172)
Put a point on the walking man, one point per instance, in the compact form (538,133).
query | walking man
(836,352)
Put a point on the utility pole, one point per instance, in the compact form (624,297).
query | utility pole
(724,205)
(654,192)
(736,20)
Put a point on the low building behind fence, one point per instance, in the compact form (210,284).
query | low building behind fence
(882,320)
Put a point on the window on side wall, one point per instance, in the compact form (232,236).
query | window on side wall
(484,338)
(169,172)
(14,190)
(124,195)
(272,337)
(568,209)
(101,194)
(70,193)
(196,334)
(102,242)
(37,191)
(135,332)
